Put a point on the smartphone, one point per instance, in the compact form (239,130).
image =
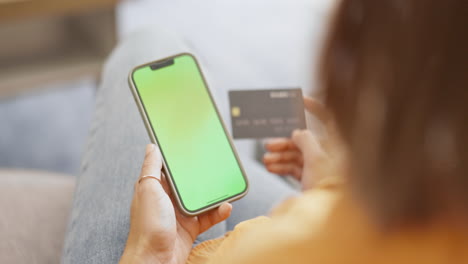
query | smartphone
(199,158)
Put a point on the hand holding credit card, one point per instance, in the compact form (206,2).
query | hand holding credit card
(266,113)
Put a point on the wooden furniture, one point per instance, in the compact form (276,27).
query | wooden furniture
(43,41)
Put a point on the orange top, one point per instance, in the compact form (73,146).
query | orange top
(326,226)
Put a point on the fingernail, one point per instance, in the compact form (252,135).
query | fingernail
(296,132)
(149,148)
(271,155)
(226,206)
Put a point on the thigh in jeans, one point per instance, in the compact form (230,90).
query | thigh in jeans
(99,221)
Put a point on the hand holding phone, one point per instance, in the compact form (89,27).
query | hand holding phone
(154,220)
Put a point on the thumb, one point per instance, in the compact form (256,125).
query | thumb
(317,109)
(214,217)
(307,143)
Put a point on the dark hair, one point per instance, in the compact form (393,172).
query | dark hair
(395,77)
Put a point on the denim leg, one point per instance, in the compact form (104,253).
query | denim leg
(99,221)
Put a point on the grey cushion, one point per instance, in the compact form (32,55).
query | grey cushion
(34,208)
(47,129)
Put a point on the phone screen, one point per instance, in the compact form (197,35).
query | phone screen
(197,151)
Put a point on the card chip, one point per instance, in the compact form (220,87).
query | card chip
(235,111)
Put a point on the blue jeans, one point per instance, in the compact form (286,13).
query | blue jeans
(99,221)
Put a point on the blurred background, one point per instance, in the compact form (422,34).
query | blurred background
(51,54)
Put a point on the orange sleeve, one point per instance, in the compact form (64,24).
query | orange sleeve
(298,232)
(304,229)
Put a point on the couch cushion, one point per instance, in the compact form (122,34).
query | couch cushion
(34,208)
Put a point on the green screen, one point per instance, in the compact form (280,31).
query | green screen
(189,132)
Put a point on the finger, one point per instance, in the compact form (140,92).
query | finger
(153,162)
(150,188)
(214,216)
(307,143)
(317,109)
(283,157)
(280,144)
(285,169)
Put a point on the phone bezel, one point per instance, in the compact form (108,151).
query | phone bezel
(154,140)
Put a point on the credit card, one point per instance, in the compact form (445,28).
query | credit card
(266,113)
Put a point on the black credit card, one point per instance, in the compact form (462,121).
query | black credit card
(266,113)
